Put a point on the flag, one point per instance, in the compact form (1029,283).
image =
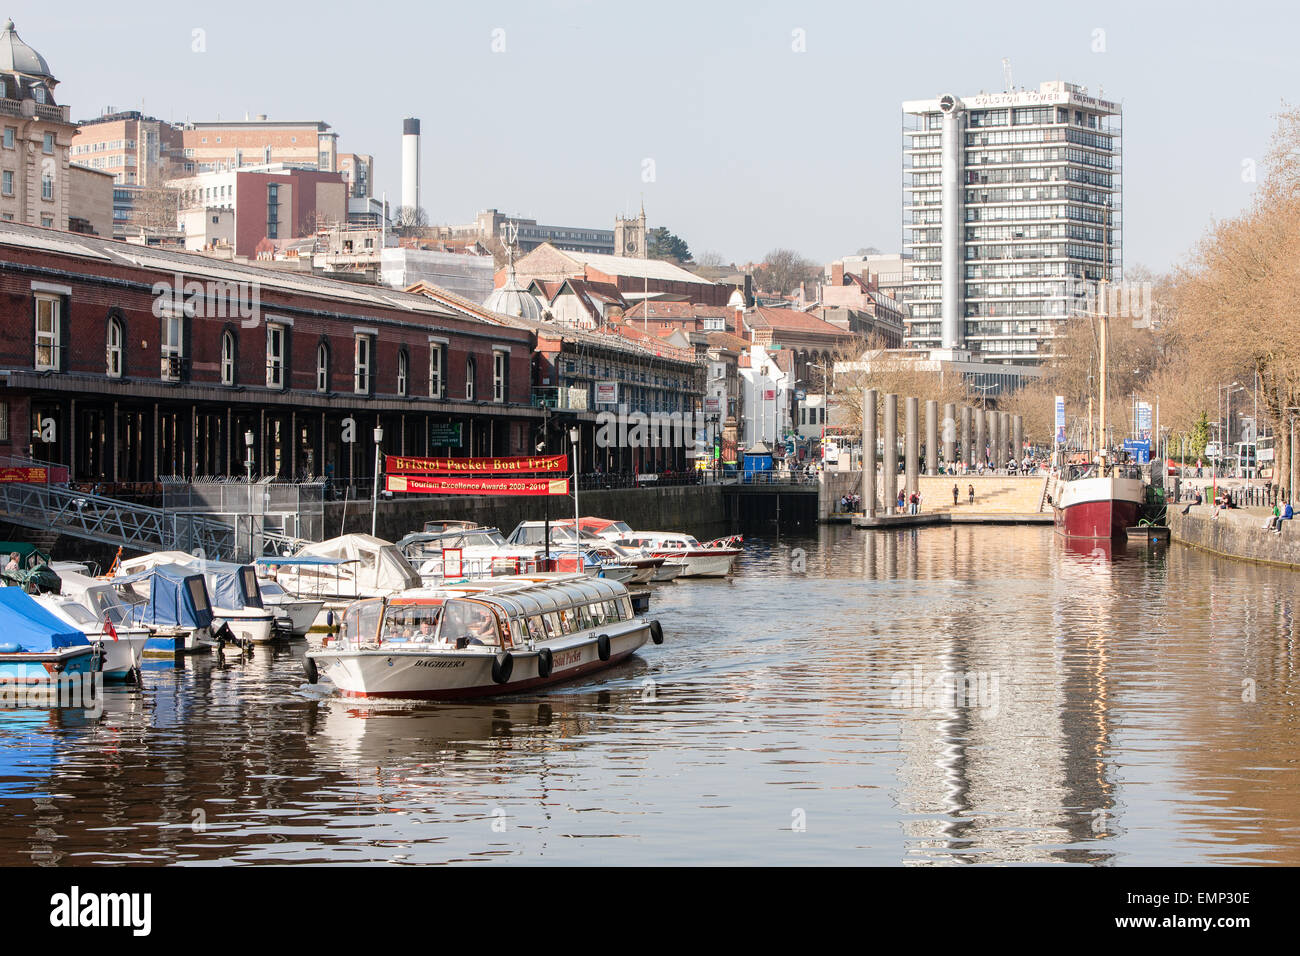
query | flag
(109,629)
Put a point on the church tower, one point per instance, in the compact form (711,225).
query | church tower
(630,236)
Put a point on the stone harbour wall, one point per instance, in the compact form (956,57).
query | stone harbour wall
(1236,534)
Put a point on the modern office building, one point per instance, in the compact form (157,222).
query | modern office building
(214,147)
(1011,210)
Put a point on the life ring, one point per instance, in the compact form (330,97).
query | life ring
(545,661)
(309,668)
(502,666)
(602,646)
(656,632)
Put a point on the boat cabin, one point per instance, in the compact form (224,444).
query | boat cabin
(532,610)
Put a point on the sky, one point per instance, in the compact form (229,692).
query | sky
(744,126)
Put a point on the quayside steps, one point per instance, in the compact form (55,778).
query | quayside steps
(994,494)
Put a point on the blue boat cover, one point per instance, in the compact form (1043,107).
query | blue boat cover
(232,586)
(24,622)
(307,561)
(177,597)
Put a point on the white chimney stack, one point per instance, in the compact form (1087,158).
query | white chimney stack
(411,163)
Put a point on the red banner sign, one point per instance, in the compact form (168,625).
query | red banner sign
(34,476)
(529,464)
(418,485)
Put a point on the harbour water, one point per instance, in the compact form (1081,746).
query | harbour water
(929,696)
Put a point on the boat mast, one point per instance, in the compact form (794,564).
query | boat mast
(1101,378)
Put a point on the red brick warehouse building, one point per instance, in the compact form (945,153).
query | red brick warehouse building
(104,369)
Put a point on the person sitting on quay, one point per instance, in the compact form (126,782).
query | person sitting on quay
(1274,522)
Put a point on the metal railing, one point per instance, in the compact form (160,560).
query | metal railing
(111,521)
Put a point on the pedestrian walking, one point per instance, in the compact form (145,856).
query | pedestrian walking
(956,493)
(971,491)
(900,502)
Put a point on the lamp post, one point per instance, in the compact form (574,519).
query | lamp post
(1225,429)
(575,435)
(248,464)
(374,496)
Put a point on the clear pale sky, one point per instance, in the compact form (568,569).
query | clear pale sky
(754,145)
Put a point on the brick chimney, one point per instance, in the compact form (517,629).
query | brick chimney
(837,273)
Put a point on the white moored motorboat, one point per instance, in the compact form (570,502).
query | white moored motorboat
(482,639)
(122,644)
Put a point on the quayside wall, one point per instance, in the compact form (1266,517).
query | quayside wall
(1237,534)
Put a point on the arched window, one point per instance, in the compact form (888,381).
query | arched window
(469,379)
(228,358)
(403,370)
(323,367)
(114,347)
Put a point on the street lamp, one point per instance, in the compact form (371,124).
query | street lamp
(248,464)
(575,435)
(374,497)
(1225,430)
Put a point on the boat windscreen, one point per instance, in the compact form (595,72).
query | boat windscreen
(471,621)
(411,622)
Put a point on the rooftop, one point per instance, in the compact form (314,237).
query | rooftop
(17,57)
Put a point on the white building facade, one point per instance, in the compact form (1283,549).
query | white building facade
(1011,214)
(765,395)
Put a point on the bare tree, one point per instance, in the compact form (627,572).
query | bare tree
(156,208)
(782,270)
(410,221)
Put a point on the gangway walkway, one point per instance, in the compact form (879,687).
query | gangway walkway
(115,522)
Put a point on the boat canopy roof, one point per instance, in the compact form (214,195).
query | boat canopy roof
(305,561)
(24,622)
(380,563)
(178,597)
(232,585)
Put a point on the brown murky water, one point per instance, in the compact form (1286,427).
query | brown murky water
(945,695)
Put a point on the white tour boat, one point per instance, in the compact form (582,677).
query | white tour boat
(482,639)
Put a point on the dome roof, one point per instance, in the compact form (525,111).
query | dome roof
(513,300)
(17,57)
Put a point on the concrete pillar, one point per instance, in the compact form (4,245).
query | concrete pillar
(889,476)
(999,449)
(1018,436)
(1004,435)
(911,443)
(949,426)
(931,437)
(869,452)
(991,434)
(967,445)
(977,450)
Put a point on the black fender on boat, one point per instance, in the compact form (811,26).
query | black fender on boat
(545,661)
(656,632)
(602,646)
(502,666)
(309,668)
